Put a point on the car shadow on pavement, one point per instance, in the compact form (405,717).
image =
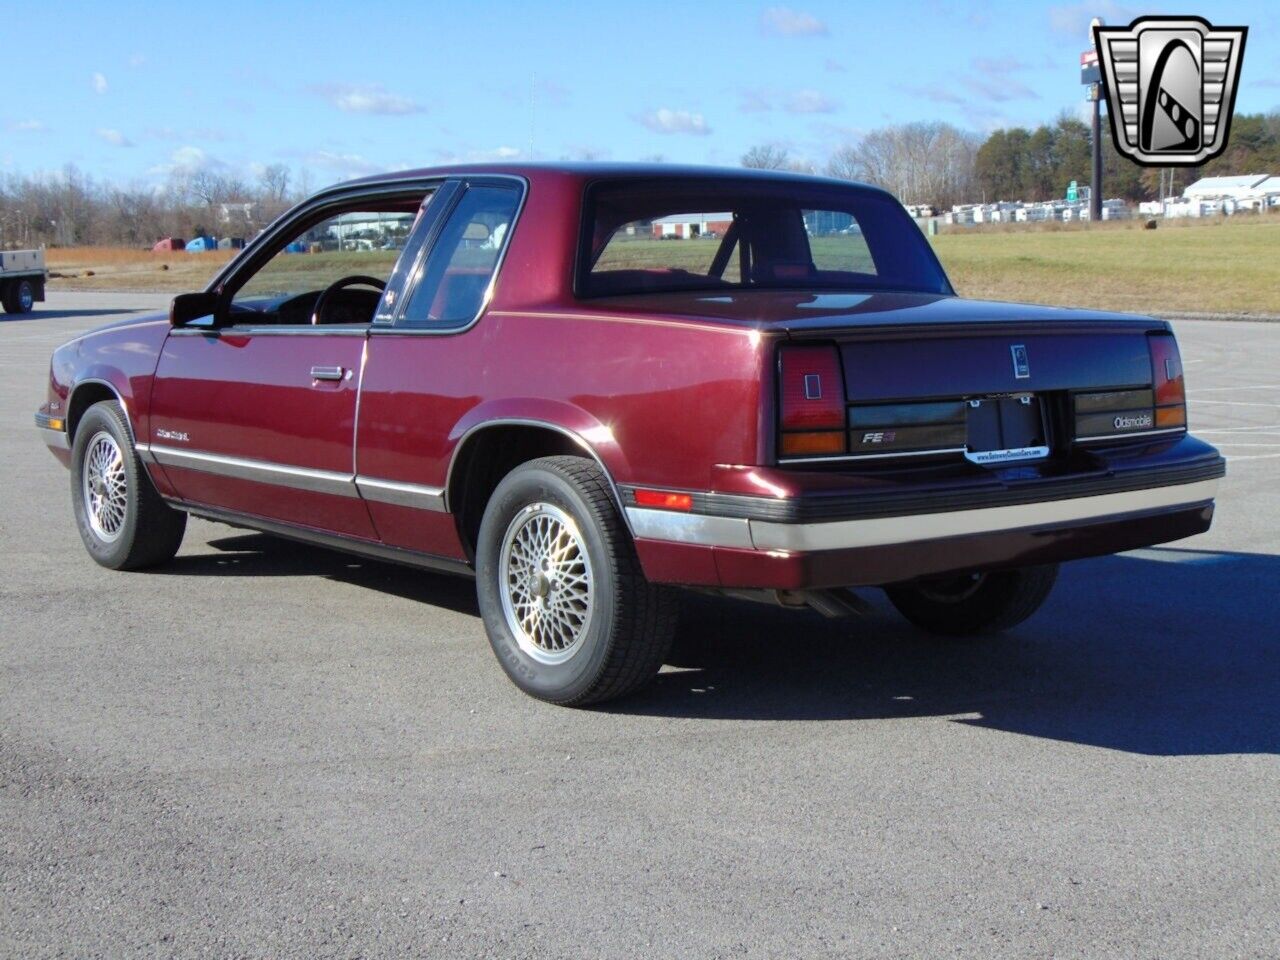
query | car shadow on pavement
(261,555)
(1162,652)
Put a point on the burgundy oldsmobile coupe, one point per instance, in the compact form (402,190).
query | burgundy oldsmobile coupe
(586,385)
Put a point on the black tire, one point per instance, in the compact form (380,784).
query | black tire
(150,531)
(972,604)
(19,296)
(632,622)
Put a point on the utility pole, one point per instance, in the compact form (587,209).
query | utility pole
(1095,190)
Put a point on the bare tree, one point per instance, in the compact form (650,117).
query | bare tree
(917,162)
(767,156)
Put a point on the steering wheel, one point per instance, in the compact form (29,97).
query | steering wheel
(322,301)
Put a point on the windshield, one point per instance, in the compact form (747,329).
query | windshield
(647,236)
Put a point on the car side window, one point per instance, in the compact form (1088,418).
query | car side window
(355,242)
(453,282)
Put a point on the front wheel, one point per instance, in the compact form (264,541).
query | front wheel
(974,603)
(567,609)
(124,523)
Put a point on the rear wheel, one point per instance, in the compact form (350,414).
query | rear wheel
(566,607)
(974,603)
(19,297)
(124,523)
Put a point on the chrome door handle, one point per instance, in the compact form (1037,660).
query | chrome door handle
(327,373)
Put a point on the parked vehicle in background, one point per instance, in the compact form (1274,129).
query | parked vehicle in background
(22,279)
(798,408)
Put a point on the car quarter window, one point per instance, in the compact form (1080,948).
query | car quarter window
(836,242)
(355,244)
(451,286)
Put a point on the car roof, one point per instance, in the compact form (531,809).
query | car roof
(603,170)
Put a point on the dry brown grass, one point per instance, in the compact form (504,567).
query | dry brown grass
(125,268)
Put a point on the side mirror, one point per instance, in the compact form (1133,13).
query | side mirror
(187,307)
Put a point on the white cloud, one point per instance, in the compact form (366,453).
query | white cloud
(785,22)
(99,83)
(371,98)
(479,156)
(988,79)
(114,137)
(663,120)
(27,126)
(187,159)
(345,165)
(993,80)
(797,101)
(809,101)
(137,60)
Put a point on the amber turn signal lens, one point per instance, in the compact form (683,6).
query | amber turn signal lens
(664,499)
(826,442)
(1171,417)
(55,424)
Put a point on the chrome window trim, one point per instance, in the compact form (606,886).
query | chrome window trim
(411,285)
(275,330)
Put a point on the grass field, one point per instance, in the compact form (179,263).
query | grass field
(1211,266)
(121,268)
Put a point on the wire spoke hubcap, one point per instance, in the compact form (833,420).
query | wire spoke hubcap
(546,583)
(105,487)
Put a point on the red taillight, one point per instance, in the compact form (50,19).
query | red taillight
(812,389)
(1167,381)
(664,499)
(811,407)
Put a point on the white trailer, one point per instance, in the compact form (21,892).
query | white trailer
(22,279)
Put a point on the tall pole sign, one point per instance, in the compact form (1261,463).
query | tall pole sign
(1091,77)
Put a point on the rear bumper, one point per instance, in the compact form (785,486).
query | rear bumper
(884,538)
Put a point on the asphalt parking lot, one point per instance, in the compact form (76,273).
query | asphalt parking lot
(266,749)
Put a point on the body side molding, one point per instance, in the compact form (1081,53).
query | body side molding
(300,478)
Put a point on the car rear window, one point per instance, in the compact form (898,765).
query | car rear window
(646,236)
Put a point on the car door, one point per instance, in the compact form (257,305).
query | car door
(424,367)
(253,412)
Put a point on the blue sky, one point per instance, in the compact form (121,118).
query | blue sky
(130,91)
